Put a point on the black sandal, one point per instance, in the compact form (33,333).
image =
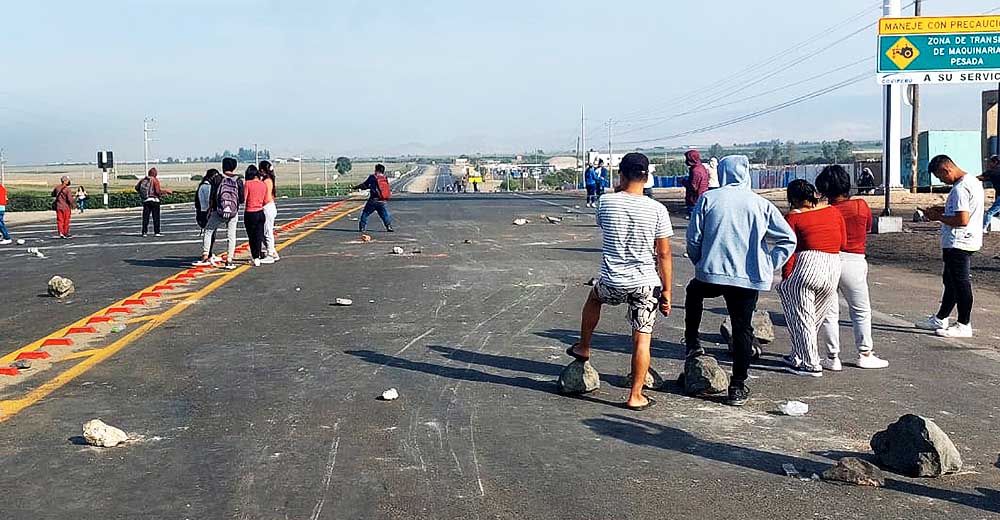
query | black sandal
(574,355)
(649,403)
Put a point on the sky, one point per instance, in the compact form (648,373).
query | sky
(344,77)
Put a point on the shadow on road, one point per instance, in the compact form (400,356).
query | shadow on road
(645,433)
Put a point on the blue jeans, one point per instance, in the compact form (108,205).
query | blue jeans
(3,227)
(990,213)
(374,206)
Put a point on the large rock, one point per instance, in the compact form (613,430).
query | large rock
(855,471)
(763,328)
(97,433)
(61,287)
(653,379)
(703,375)
(916,446)
(579,377)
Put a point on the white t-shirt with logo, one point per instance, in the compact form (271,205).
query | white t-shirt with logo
(966,195)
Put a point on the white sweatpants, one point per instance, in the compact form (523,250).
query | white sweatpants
(214,223)
(806,297)
(854,288)
(270,213)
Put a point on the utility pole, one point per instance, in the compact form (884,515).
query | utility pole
(577,185)
(147,128)
(300,176)
(583,134)
(326,183)
(890,122)
(915,122)
(3,172)
(611,157)
(256,156)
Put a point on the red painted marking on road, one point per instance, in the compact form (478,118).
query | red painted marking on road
(176,282)
(82,330)
(162,288)
(150,295)
(118,310)
(134,302)
(100,319)
(57,342)
(9,371)
(33,355)
(184,276)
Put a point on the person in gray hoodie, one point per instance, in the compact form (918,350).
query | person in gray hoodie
(736,240)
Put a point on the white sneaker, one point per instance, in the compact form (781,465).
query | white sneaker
(805,371)
(871,361)
(6,241)
(255,262)
(202,263)
(832,364)
(274,256)
(229,266)
(265,260)
(957,330)
(932,323)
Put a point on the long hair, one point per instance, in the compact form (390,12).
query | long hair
(267,172)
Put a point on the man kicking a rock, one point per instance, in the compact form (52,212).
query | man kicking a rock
(635,269)
(727,240)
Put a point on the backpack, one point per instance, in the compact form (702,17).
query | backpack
(384,192)
(227,202)
(143,188)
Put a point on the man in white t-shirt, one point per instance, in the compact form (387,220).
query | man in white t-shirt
(635,269)
(961,236)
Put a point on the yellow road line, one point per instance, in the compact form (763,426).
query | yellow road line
(10,407)
(140,319)
(80,354)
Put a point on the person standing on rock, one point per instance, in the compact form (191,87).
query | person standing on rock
(62,203)
(835,185)
(635,270)
(961,237)
(376,184)
(808,288)
(727,240)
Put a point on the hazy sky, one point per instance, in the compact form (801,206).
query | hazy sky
(435,76)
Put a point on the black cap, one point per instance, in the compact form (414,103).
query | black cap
(634,162)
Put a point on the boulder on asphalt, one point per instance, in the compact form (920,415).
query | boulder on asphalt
(917,447)
(579,377)
(60,287)
(654,381)
(763,328)
(852,470)
(97,433)
(703,375)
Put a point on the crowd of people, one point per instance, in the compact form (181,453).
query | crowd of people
(737,240)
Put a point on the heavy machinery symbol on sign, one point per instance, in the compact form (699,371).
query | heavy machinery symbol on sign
(902,53)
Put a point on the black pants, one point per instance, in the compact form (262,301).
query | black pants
(254,223)
(151,209)
(957,285)
(741,304)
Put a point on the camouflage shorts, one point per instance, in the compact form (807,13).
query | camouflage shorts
(642,303)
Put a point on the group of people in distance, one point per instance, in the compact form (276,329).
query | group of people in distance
(217,205)
(737,239)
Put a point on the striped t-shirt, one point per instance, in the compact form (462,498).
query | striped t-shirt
(631,224)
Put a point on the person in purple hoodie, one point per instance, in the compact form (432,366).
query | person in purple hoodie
(697,182)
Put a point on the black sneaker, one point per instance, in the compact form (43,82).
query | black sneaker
(390,230)
(738,395)
(694,349)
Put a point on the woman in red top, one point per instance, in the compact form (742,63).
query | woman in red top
(809,279)
(835,184)
(253,216)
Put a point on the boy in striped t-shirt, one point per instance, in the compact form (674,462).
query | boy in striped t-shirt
(635,269)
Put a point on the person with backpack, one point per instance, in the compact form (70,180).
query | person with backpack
(379,192)
(255,193)
(224,206)
(270,209)
(202,210)
(62,204)
(150,192)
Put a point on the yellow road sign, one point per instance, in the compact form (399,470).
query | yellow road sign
(939,25)
(902,53)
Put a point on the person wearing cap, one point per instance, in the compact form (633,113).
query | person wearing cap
(150,192)
(635,269)
(992,174)
(63,205)
(728,242)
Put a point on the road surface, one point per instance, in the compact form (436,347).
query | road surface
(249,396)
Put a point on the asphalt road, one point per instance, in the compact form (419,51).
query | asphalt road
(257,399)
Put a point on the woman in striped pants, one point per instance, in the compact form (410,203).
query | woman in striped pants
(809,280)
